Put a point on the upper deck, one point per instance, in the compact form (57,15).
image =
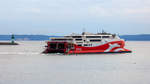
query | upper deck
(87,39)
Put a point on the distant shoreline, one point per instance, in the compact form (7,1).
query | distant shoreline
(140,37)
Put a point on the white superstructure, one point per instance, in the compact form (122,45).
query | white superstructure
(88,39)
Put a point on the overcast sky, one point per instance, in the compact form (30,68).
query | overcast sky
(61,17)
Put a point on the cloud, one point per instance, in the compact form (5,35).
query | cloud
(77,8)
(144,11)
(55,13)
(35,10)
(136,10)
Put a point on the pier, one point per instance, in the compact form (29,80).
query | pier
(10,43)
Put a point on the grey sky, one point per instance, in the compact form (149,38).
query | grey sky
(59,17)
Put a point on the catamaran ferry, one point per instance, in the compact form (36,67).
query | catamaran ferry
(87,43)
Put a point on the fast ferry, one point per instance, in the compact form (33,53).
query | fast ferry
(87,43)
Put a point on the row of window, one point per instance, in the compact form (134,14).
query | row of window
(79,38)
(97,40)
(97,36)
(61,39)
(91,36)
(93,40)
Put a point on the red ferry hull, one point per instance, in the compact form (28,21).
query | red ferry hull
(109,47)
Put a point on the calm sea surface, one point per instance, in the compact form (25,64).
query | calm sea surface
(24,64)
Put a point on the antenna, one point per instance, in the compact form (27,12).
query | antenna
(99,30)
(102,31)
(84,30)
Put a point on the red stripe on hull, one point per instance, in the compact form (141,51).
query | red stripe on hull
(100,49)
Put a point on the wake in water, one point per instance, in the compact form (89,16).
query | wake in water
(19,53)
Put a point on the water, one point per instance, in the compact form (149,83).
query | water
(24,64)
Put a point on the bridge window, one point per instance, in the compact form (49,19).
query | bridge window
(93,36)
(76,36)
(105,36)
(85,44)
(78,39)
(79,45)
(95,40)
(61,39)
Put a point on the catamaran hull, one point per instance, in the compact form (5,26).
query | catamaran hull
(109,47)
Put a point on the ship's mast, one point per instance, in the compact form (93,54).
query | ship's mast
(84,30)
